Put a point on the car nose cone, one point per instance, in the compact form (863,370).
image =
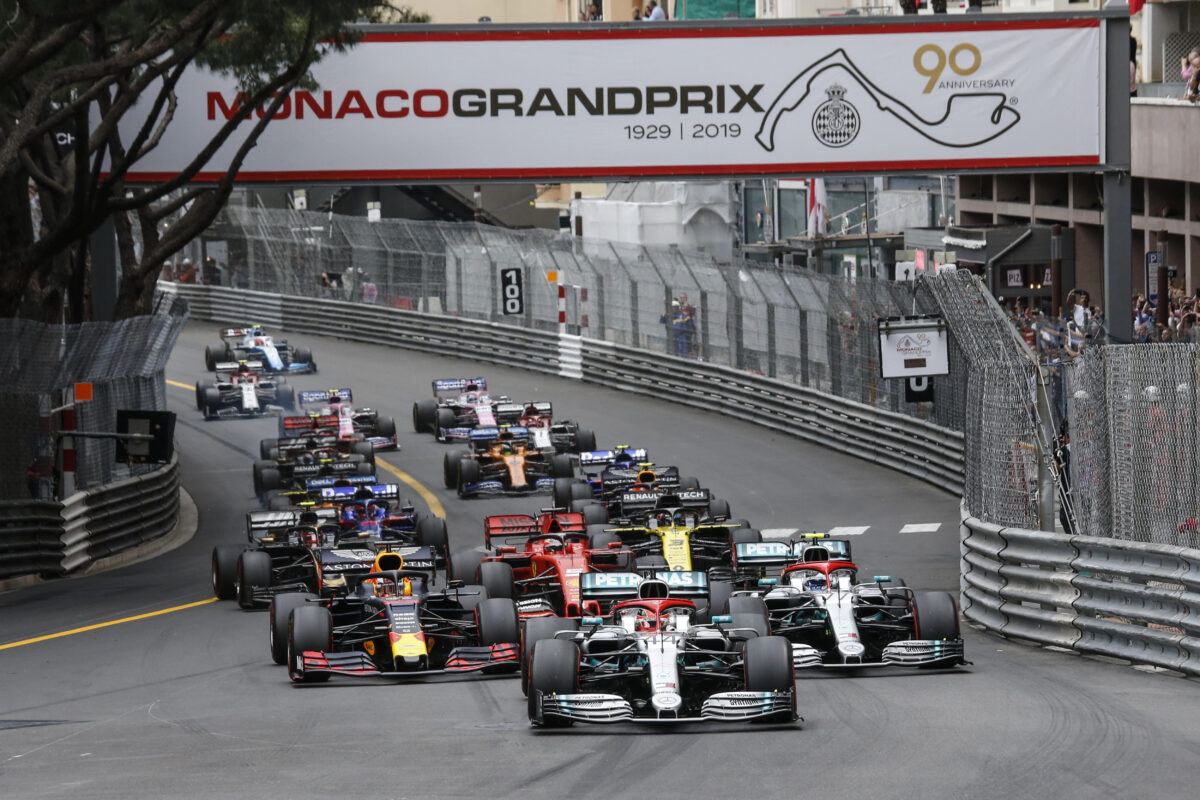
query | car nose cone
(666,701)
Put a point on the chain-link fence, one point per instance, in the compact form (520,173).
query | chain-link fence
(123,361)
(814,330)
(1134,422)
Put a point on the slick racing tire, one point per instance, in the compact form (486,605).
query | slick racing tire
(201,388)
(749,622)
(599,538)
(585,441)
(224,571)
(468,473)
(593,513)
(365,468)
(718,599)
(537,629)
(253,570)
(935,616)
(302,355)
(497,578)
(562,492)
(554,669)
(268,449)
(462,566)
(256,471)
(450,466)
(768,665)
(366,450)
(286,396)
(386,426)
(309,627)
(445,419)
(431,532)
(744,535)
(424,415)
(718,508)
(212,402)
(469,597)
(561,466)
(689,482)
(496,619)
(278,613)
(210,361)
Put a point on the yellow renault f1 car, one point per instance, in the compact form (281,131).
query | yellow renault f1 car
(677,531)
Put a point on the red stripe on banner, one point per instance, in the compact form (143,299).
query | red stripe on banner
(583,295)
(584,321)
(682,170)
(68,459)
(676,31)
(562,292)
(562,317)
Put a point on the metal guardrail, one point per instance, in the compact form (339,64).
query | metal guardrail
(1129,600)
(915,447)
(52,539)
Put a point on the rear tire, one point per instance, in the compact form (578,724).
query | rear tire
(718,598)
(302,355)
(585,441)
(689,483)
(269,479)
(755,622)
(599,539)
(365,468)
(210,361)
(579,492)
(554,669)
(651,562)
(718,508)
(224,571)
(594,513)
(561,466)
(744,604)
(431,532)
(366,450)
(266,447)
(253,570)
(424,415)
(278,614)
(464,566)
(387,427)
(309,628)
(562,492)
(497,578)
(744,535)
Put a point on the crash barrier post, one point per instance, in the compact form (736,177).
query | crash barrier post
(56,538)
(913,446)
(1129,600)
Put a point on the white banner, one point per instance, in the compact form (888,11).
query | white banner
(570,102)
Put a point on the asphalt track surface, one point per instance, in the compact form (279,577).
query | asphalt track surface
(188,703)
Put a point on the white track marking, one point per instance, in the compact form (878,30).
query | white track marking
(852,530)
(778,533)
(928,527)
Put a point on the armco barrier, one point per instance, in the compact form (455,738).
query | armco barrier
(912,446)
(53,539)
(1128,600)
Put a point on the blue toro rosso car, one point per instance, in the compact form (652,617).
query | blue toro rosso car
(251,341)
(502,461)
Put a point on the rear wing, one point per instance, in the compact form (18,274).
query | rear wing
(604,458)
(317,484)
(458,385)
(620,477)
(263,524)
(232,366)
(305,444)
(610,587)
(773,557)
(521,526)
(483,435)
(325,396)
(290,426)
(341,494)
(633,502)
(238,333)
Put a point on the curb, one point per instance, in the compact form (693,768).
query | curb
(185,528)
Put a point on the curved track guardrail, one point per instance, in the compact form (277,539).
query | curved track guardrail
(56,538)
(915,447)
(1130,600)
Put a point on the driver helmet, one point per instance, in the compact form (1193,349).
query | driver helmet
(308,536)
(470,397)
(507,449)
(816,583)
(376,509)
(664,518)
(306,459)
(554,546)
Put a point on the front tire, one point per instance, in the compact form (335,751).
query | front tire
(554,669)
(278,613)
(309,628)
(538,629)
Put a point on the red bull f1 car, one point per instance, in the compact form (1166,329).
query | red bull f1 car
(392,625)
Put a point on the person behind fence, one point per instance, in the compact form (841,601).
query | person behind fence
(689,311)
(329,285)
(653,13)
(187,271)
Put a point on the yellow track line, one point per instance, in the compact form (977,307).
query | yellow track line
(99,625)
(435,505)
